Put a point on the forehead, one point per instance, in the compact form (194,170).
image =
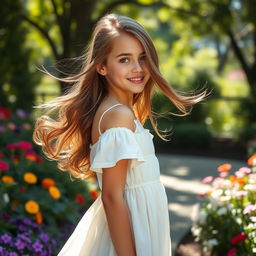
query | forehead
(125,43)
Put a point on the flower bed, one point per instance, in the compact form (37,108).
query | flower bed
(226,221)
(39,205)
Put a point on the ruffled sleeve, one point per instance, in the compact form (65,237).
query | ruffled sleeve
(113,145)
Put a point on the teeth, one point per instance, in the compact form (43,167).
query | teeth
(135,79)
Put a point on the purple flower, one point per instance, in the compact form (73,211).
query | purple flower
(6,238)
(24,238)
(21,113)
(44,237)
(20,244)
(37,246)
(13,254)
(22,227)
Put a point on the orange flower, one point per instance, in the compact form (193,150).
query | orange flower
(39,218)
(30,178)
(48,182)
(94,194)
(224,167)
(32,207)
(7,179)
(251,160)
(54,192)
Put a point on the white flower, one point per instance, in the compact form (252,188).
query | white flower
(202,217)
(211,243)
(222,211)
(239,221)
(6,198)
(253,218)
(196,230)
(253,249)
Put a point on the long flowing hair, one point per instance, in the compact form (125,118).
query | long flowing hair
(64,130)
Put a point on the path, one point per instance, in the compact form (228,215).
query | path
(181,177)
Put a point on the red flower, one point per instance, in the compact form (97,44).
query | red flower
(232,252)
(79,199)
(4,166)
(94,194)
(238,238)
(5,113)
(24,145)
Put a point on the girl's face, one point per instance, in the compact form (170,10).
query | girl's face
(126,68)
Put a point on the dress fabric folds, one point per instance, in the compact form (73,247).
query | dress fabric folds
(144,195)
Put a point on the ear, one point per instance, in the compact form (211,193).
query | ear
(101,69)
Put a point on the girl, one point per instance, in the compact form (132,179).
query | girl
(99,129)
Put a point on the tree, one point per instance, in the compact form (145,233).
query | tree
(16,77)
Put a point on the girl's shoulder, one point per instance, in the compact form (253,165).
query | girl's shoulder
(108,116)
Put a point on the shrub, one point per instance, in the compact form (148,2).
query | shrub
(226,221)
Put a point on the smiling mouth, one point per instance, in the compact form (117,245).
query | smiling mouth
(136,80)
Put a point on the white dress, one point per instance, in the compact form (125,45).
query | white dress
(144,195)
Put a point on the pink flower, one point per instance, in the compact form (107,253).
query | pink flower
(12,146)
(249,208)
(238,238)
(232,252)
(24,145)
(241,193)
(207,179)
(11,126)
(21,113)
(223,174)
(26,126)
(243,171)
(4,166)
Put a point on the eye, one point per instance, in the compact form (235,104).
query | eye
(143,57)
(123,60)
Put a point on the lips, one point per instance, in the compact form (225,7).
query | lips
(136,80)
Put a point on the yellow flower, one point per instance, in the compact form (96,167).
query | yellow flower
(32,207)
(30,177)
(54,192)
(7,179)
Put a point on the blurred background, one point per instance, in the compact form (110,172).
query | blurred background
(199,43)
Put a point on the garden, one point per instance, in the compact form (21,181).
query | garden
(39,205)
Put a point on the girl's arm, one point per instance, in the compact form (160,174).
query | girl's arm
(113,183)
(116,209)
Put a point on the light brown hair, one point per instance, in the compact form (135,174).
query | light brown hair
(66,136)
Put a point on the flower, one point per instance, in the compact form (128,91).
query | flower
(238,238)
(232,252)
(26,126)
(6,238)
(20,245)
(207,179)
(11,146)
(4,166)
(32,156)
(54,192)
(11,126)
(32,207)
(224,167)
(48,182)
(4,113)
(37,246)
(39,218)
(44,237)
(7,179)
(30,178)
(94,194)
(251,160)
(24,145)
(21,113)
(249,208)
(79,199)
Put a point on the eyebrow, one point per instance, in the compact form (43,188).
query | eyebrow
(126,54)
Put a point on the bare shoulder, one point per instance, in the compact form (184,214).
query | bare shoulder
(119,116)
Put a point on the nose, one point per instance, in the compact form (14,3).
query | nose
(137,67)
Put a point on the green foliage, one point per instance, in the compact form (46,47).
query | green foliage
(17,77)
